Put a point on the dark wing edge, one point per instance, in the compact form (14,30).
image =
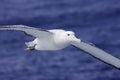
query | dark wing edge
(99,54)
(31,31)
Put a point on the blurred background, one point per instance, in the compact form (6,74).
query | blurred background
(95,21)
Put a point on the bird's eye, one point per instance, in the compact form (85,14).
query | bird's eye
(68,34)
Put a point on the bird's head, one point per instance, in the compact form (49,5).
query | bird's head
(70,37)
(66,37)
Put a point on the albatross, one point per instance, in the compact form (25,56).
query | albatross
(57,39)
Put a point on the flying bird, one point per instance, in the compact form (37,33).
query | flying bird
(57,39)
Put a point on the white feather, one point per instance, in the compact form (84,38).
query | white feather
(98,53)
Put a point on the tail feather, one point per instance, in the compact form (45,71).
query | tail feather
(29,44)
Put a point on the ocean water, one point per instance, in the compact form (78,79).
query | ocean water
(95,21)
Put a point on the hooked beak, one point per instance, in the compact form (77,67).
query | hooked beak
(74,39)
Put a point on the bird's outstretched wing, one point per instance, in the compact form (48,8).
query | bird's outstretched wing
(98,53)
(35,32)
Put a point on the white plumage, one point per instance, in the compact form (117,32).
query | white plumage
(58,39)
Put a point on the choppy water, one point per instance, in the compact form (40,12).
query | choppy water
(92,20)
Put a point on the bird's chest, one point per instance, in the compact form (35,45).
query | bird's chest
(46,44)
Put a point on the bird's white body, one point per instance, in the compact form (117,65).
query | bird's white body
(58,39)
(43,44)
(52,42)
